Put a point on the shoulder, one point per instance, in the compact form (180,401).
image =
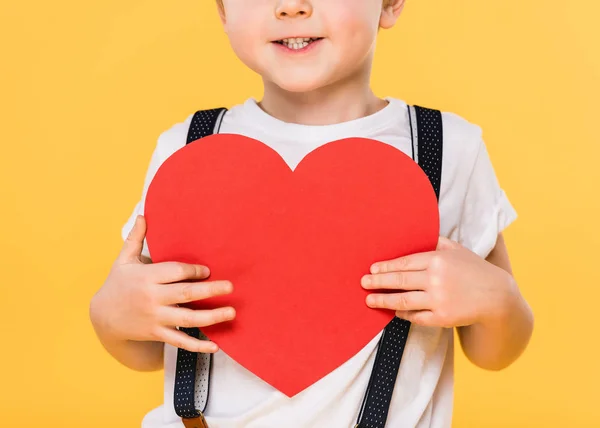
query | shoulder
(462,145)
(175,137)
(172,139)
(169,141)
(462,138)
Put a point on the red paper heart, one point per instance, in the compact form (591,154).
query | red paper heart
(295,244)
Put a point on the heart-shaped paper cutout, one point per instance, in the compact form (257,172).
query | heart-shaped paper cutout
(295,244)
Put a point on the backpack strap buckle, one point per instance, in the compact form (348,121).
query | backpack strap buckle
(197,422)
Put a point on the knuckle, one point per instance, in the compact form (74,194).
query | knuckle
(187,292)
(227,314)
(202,346)
(402,262)
(219,316)
(378,301)
(195,271)
(211,317)
(214,288)
(130,237)
(438,263)
(187,319)
(402,302)
(180,270)
(399,279)
(145,296)
(435,279)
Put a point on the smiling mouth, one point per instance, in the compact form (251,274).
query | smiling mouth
(297,42)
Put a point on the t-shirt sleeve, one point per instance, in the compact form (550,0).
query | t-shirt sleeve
(168,142)
(137,210)
(486,210)
(139,206)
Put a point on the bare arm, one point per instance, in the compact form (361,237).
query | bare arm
(496,343)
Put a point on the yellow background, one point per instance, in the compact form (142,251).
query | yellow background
(87,87)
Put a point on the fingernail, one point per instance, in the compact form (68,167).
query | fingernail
(375,269)
(370,300)
(230,313)
(366,281)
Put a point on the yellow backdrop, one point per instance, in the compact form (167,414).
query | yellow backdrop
(87,87)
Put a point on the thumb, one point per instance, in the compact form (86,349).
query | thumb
(134,243)
(446,244)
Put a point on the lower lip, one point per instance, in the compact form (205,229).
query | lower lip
(303,50)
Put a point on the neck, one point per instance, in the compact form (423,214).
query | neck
(347,99)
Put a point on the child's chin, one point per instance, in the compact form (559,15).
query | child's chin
(300,85)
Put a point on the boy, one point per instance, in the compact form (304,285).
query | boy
(315,59)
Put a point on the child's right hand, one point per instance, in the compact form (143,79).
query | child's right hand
(139,300)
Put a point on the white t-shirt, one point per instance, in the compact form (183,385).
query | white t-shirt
(473,210)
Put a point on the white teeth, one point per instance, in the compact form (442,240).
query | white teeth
(297,42)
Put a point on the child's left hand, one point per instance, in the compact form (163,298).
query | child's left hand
(448,287)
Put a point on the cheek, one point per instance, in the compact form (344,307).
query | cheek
(245,37)
(354,29)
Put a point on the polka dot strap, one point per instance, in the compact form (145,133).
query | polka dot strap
(205,123)
(429,146)
(192,370)
(427,137)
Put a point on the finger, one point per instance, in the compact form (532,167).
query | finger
(446,244)
(417,261)
(169,272)
(185,292)
(416,280)
(134,243)
(424,318)
(408,301)
(185,317)
(180,339)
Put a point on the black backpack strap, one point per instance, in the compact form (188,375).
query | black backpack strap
(427,139)
(204,123)
(192,372)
